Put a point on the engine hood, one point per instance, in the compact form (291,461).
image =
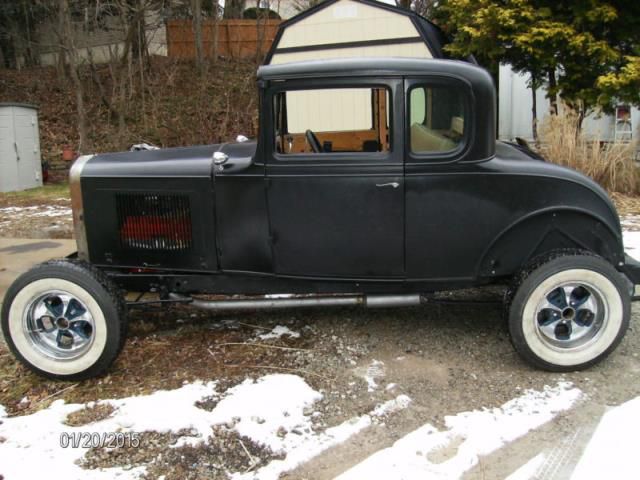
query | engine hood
(166,162)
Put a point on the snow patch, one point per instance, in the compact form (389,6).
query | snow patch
(613,446)
(374,371)
(40,432)
(260,409)
(278,332)
(37,211)
(481,431)
(392,406)
(269,411)
(529,470)
(312,445)
(631,242)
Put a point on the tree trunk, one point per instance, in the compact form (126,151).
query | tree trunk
(581,115)
(234,8)
(30,55)
(553,102)
(196,6)
(534,110)
(136,19)
(8,51)
(214,48)
(61,60)
(261,26)
(72,57)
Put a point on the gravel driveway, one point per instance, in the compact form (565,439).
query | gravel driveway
(445,359)
(377,379)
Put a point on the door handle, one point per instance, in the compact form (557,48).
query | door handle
(390,184)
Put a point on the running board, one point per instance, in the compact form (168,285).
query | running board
(371,301)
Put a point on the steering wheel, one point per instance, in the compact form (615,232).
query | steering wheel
(313,141)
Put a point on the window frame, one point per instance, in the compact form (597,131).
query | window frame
(392,85)
(439,81)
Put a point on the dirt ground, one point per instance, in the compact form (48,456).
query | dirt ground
(446,358)
(37,213)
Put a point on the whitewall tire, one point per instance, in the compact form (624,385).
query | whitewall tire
(64,320)
(569,312)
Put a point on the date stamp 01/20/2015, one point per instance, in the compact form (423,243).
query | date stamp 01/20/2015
(99,439)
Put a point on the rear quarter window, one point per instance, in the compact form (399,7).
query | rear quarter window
(436,118)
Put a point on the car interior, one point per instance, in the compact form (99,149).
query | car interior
(332,120)
(357,120)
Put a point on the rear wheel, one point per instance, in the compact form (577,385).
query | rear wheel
(569,312)
(64,320)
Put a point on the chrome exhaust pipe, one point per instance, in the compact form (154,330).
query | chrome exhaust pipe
(381,301)
(370,301)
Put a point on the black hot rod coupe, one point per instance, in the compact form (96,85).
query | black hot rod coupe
(372,181)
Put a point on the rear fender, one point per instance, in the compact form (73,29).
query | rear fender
(545,230)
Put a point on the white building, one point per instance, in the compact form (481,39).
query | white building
(515,118)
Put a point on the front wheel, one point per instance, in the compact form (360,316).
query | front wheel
(64,320)
(569,312)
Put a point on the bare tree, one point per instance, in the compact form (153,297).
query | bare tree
(234,8)
(18,21)
(196,7)
(302,5)
(425,8)
(69,47)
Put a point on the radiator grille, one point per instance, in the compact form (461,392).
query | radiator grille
(154,222)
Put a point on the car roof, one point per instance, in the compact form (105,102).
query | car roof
(369,66)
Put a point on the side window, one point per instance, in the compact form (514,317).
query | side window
(336,120)
(436,118)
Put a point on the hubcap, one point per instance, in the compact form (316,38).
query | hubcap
(59,325)
(570,315)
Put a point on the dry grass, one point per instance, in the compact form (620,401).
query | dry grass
(626,204)
(610,164)
(165,348)
(91,414)
(30,196)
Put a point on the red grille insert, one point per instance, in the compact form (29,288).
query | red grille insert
(154,222)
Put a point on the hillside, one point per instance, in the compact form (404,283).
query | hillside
(175,107)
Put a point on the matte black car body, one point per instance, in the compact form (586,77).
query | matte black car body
(262,223)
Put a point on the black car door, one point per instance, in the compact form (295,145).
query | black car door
(445,206)
(335,183)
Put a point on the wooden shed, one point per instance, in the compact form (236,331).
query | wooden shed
(355,28)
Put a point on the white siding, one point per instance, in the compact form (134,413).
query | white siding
(330,110)
(515,102)
(418,50)
(347,21)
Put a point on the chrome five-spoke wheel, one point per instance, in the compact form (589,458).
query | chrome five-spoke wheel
(570,315)
(59,325)
(64,320)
